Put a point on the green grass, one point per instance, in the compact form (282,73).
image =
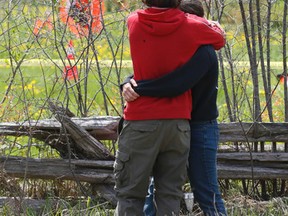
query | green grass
(32,86)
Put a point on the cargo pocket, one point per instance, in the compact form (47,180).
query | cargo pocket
(121,170)
(143,135)
(185,131)
(183,127)
(144,128)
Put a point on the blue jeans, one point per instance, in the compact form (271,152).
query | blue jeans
(149,207)
(202,167)
(202,170)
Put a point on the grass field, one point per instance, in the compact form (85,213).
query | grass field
(39,79)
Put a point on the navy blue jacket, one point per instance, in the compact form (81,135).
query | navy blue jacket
(200,74)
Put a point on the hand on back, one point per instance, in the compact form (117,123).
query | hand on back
(128,92)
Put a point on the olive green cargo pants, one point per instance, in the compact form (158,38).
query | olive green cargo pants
(154,147)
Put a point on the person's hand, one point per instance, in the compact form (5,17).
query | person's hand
(128,92)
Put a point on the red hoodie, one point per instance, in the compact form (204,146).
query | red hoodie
(160,41)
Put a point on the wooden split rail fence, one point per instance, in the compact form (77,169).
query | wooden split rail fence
(247,150)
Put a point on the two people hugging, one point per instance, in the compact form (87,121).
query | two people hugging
(171,111)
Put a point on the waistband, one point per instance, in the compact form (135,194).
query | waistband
(214,121)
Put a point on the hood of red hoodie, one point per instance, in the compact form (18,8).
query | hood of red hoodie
(159,21)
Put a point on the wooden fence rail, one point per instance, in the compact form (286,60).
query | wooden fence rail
(105,128)
(230,166)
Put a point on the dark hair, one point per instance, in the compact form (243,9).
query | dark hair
(162,3)
(192,7)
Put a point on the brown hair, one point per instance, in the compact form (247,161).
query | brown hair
(162,3)
(192,7)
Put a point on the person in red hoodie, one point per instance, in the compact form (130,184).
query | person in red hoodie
(156,134)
